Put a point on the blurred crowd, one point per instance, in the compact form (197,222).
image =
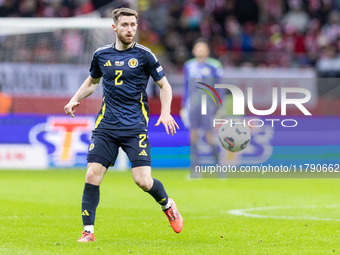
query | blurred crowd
(48,8)
(275,33)
(279,33)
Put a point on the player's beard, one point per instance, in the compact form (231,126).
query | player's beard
(124,39)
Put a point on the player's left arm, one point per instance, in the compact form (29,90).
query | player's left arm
(166,98)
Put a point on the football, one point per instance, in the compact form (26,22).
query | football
(233,136)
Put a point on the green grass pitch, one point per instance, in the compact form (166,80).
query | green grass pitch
(40,214)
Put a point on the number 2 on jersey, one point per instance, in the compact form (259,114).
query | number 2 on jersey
(118,73)
(142,138)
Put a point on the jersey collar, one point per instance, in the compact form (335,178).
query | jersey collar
(132,45)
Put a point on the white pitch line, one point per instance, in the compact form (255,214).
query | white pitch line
(245,212)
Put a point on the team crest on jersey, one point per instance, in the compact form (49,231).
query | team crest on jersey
(91,147)
(206,71)
(133,63)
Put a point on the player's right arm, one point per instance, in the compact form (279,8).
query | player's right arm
(85,90)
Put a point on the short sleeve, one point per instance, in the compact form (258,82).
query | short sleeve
(186,86)
(153,67)
(219,71)
(95,71)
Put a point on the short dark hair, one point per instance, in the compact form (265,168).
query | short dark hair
(116,13)
(201,40)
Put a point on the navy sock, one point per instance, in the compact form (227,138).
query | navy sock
(158,192)
(89,203)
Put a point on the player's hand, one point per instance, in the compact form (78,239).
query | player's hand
(168,122)
(69,108)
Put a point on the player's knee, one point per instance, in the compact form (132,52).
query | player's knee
(90,176)
(144,183)
(95,173)
(93,177)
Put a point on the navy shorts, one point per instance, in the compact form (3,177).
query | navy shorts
(105,144)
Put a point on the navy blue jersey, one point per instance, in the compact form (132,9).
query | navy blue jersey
(125,75)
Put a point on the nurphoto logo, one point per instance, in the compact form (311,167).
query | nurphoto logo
(239,99)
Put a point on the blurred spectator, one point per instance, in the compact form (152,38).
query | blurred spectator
(246,11)
(296,18)
(271,10)
(27,8)
(56,9)
(85,7)
(46,8)
(8,9)
(191,15)
(331,30)
(320,9)
(156,16)
(311,40)
(72,42)
(222,12)
(329,62)
(5,102)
